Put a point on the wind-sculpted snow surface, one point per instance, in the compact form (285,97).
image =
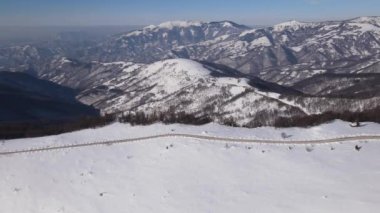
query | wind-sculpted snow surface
(190,175)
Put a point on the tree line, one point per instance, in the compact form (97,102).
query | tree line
(44,127)
(168,117)
(372,115)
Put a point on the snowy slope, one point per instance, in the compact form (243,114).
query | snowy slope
(291,25)
(285,53)
(154,42)
(293,51)
(187,86)
(136,70)
(187,175)
(201,89)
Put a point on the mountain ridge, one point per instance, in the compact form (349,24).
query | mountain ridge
(127,72)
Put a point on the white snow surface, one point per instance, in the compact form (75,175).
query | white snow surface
(262,41)
(285,101)
(173,24)
(169,78)
(192,68)
(295,25)
(174,74)
(188,175)
(367,19)
(165,25)
(246,32)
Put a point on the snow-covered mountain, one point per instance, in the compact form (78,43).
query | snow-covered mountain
(226,70)
(293,51)
(187,86)
(342,85)
(154,43)
(284,54)
(203,89)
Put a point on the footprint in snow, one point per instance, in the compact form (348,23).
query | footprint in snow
(309,148)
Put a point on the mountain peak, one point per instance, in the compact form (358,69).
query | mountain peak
(166,25)
(173,24)
(191,67)
(229,24)
(184,24)
(293,24)
(367,19)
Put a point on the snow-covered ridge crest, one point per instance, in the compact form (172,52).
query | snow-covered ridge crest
(295,25)
(290,25)
(191,68)
(184,71)
(172,24)
(367,19)
(184,24)
(246,32)
(167,25)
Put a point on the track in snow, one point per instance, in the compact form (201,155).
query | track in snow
(201,137)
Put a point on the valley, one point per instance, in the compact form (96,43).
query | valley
(222,70)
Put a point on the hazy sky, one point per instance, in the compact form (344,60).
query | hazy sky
(142,12)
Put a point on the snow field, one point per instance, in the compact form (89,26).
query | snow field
(190,175)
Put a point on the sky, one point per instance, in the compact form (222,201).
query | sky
(144,12)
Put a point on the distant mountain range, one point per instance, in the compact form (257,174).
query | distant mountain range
(221,69)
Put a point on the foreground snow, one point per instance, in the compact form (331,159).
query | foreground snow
(188,175)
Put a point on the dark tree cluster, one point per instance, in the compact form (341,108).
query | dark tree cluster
(168,117)
(43,128)
(372,115)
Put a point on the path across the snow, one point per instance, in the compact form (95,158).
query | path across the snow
(200,137)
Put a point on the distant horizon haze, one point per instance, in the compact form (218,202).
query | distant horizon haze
(146,12)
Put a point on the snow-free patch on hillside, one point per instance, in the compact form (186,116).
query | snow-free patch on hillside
(189,175)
